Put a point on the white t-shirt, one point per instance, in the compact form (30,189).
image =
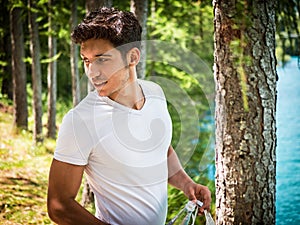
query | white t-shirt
(125,153)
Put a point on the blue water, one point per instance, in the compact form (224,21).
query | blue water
(288,145)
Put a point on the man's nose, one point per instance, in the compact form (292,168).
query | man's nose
(92,70)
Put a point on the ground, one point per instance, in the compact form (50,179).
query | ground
(24,171)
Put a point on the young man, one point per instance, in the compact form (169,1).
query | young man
(120,135)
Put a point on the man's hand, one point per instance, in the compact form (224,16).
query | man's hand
(198,192)
(180,179)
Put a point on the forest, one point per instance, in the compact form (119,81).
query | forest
(216,62)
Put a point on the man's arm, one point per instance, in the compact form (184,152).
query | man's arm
(179,179)
(64,183)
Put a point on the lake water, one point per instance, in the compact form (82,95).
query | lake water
(288,145)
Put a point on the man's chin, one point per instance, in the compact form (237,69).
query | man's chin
(101,92)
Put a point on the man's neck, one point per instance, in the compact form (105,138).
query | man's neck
(131,96)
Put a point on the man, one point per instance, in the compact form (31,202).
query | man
(120,135)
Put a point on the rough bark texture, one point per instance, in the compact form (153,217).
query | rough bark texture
(245,139)
(18,69)
(140,9)
(36,73)
(52,76)
(74,59)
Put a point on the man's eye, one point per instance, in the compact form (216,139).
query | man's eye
(101,60)
(97,60)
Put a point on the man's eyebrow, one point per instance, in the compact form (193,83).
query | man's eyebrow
(104,54)
(97,55)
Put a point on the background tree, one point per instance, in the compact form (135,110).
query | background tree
(18,68)
(287,22)
(95,4)
(74,58)
(245,74)
(5,51)
(52,72)
(140,9)
(36,71)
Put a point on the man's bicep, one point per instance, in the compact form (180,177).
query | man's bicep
(64,180)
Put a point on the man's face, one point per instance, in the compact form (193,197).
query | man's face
(104,67)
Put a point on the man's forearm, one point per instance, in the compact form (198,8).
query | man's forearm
(180,180)
(177,176)
(71,213)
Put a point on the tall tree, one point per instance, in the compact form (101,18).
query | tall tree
(140,9)
(74,58)
(18,68)
(36,71)
(5,51)
(245,74)
(52,73)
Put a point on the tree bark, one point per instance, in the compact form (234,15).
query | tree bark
(74,58)
(36,72)
(245,74)
(140,9)
(18,69)
(52,75)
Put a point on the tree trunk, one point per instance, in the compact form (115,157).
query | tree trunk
(140,9)
(36,72)
(74,59)
(5,47)
(245,74)
(18,69)
(95,4)
(52,74)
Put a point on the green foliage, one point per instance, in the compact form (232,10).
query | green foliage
(180,62)
(184,23)
(288,27)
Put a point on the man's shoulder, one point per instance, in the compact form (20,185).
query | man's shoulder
(85,109)
(88,104)
(151,88)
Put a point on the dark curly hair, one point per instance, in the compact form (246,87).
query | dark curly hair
(121,28)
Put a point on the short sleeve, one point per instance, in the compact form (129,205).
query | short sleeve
(74,142)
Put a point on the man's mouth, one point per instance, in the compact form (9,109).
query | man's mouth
(98,82)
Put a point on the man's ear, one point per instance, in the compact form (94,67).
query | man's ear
(133,57)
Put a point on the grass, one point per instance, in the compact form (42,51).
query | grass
(24,170)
